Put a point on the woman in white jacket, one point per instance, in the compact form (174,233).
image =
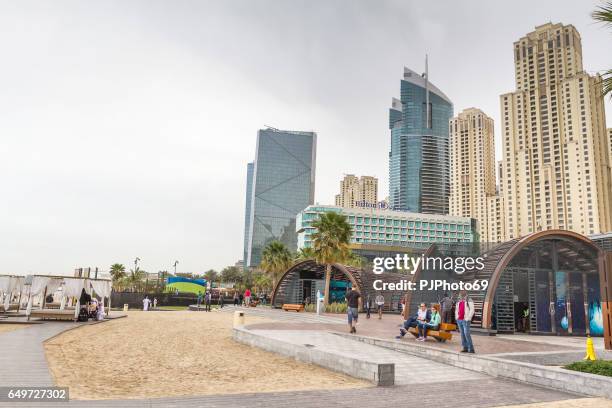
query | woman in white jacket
(464,311)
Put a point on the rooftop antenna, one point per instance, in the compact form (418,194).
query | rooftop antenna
(427,110)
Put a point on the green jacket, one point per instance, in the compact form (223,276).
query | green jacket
(435,319)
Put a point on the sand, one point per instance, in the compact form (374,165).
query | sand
(162,354)
(7,327)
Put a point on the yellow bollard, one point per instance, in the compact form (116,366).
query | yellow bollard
(590,351)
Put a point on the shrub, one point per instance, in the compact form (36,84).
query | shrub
(601,367)
(310,308)
(336,308)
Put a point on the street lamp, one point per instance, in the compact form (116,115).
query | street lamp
(136,263)
(175,263)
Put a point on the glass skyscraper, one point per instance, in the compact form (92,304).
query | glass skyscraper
(419,157)
(282,181)
(247,211)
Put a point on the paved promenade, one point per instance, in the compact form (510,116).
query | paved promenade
(408,369)
(22,355)
(472,393)
(23,364)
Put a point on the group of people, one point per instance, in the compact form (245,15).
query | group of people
(207,300)
(90,307)
(146,303)
(425,318)
(430,319)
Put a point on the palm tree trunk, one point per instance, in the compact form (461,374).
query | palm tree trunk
(328,269)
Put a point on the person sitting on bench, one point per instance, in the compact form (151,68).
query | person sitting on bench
(423,315)
(432,324)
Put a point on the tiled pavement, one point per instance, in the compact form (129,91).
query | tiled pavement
(471,393)
(277,314)
(408,369)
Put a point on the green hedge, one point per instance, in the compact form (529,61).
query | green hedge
(331,308)
(601,367)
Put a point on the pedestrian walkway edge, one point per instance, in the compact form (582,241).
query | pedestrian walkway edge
(556,378)
(380,374)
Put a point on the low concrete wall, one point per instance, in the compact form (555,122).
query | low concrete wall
(549,377)
(381,374)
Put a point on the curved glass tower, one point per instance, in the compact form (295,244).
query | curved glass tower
(419,157)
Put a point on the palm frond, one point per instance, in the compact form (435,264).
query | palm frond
(603,14)
(606,82)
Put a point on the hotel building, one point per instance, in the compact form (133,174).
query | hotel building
(389,228)
(555,148)
(280,185)
(355,191)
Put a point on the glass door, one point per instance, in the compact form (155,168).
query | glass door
(543,302)
(561,299)
(577,316)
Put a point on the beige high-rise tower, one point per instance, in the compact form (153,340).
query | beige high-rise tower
(472,179)
(556,171)
(357,191)
(610,144)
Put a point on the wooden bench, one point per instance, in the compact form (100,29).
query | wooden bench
(442,334)
(289,306)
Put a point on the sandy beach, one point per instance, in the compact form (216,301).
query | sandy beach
(159,354)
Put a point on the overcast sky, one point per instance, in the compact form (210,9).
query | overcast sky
(126,126)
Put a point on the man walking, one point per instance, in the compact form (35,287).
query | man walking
(464,312)
(207,299)
(447,307)
(199,299)
(380,304)
(352,300)
(220,299)
(247,297)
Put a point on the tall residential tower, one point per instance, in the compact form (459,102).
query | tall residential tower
(556,169)
(357,191)
(472,179)
(419,160)
(282,185)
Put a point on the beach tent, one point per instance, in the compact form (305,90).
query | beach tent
(9,286)
(71,287)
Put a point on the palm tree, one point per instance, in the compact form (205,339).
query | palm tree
(356,260)
(232,274)
(117,272)
(211,275)
(603,14)
(275,259)
(330,243)
(262,282)
(135,279)
(304,254)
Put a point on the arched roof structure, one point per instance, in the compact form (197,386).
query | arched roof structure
(572,248)
(360,278)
